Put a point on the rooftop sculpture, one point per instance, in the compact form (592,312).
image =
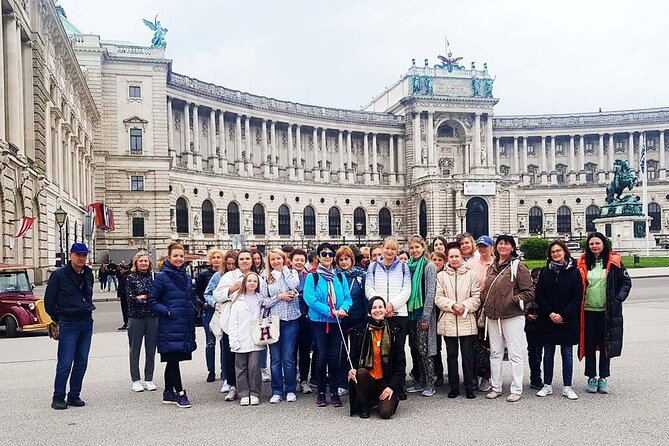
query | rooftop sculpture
(158,40)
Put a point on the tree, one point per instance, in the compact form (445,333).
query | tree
(534,248)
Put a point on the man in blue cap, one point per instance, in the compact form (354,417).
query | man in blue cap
(69,302)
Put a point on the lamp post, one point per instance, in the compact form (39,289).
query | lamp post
(461,212)
(358,228)
(60,216)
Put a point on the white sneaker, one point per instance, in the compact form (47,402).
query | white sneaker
(137,386)
(232,394)
(150,386)
(225,388)
(275,399)
(304,386)
(265,375)
(569,393)
(255,400)
(245,401)
(291,397)
(342,392)
(546,390)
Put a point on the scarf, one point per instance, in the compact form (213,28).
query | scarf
(557,267)
(328,275)
(367,351)
(415,303)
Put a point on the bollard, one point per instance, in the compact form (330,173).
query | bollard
(636,260)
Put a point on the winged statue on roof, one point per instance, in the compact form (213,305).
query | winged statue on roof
(158,40)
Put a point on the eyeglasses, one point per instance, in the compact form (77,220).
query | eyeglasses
(327,254)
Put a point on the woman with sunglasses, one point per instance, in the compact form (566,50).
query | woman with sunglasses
(328,298)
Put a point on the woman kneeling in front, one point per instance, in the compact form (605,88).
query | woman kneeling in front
(377,350)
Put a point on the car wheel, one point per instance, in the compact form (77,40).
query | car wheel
(10,327)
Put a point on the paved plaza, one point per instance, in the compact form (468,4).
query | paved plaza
(636,412)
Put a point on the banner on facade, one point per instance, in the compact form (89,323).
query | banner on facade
(24,224)
(480,188)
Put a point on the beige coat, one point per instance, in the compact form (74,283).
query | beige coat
(457,286)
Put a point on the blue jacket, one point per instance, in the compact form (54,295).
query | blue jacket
(172,296)
(69,296)
(356,286)
(316,298)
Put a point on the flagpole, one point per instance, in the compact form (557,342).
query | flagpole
(644,171)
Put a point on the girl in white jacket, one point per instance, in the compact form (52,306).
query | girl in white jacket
(245,307)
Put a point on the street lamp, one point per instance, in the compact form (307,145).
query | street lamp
(461,212)
(358,228)
(61,216)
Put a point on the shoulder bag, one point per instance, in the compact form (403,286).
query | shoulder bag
(265,330)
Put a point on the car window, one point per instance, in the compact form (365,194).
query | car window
(11,282)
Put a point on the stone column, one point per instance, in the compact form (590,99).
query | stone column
(375,160)
(552,149)
(601,174)
(417,149)
(581,159)
(274,146)
(572,162)
(488,140)
(213,158)
(291,165)
(497,155)
(13,71)
(663,166)
(475,148)
(196,138)
(400,160)
(630,153)
(188,151)
(298,140)
(544,167)
(342,169)
(223,153)
(516,161)
(316,156)
(48,139)
(170,129)
(429,127)
(59,167)
(612,157)
(325,172)
(248,146)
(392,176)
(366,158)
(3,135)
(467,159)
(524,166)
(239,160)
(264,150)
(349,158)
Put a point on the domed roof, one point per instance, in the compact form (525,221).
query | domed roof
(70,28)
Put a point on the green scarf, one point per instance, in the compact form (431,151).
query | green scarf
(415,303)
(367,353)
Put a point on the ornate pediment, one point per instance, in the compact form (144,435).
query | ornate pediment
(135,120)
(137,212)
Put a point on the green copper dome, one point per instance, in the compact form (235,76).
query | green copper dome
(70,29)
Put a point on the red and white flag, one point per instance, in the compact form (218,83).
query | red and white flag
(24,224)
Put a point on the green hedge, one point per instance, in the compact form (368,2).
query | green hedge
(534,248)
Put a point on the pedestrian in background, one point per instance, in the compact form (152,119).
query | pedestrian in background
(121,295)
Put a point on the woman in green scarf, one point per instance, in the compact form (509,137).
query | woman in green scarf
(378,358)
(422,317)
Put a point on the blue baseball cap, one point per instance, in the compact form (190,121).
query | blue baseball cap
(484,240)
(79,248)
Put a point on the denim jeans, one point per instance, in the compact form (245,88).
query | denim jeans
(534,353)
(73,347)
(282,356)
(210,346)
(110,280)
(567,363)
(328,345)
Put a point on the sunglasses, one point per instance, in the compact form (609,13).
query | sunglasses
(327,254)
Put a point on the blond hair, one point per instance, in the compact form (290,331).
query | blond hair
(391,242)
(268,266)
(138,256)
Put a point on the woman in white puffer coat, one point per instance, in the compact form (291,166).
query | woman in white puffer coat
(458,297)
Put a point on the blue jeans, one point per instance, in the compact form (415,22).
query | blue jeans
(567,363)
(327,351)
(73,347)
(210,346)
(282,356)
(534,354)
(110,280)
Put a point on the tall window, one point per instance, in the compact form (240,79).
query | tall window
(359,222)
(591,214)
(182,215)
(651,168)
(561,173)
(134,91)
(309,221)
(334,221)
(207,217)
(563,220)
(258,219)
(590,172)
(284,220)
(536,217)
(136,141)
(422,219)
(233,218)
(533,171)
(136,183)
(655,213)
(385,222)
(137,227)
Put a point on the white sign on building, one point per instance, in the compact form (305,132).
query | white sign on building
(480,188)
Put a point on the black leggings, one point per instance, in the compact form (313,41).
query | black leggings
(173,376)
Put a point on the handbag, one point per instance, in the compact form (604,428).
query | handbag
(265,330)
(215,323)
(54,330)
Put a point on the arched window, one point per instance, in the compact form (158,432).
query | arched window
(385,222)
(422,219)
(445,131)
(207,217)
(536,220)
(233,218)
(334,221)
(284,220)
(359,222)
(655,213)
(309,221)
(182,216)
(258,219)
(563,220)
(591,214)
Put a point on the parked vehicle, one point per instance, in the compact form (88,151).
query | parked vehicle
(20,310)
(574,247)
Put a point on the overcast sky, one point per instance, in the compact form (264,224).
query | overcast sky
(549,57)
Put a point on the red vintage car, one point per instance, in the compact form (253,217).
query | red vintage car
(20,310)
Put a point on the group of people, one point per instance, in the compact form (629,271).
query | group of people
(345,314)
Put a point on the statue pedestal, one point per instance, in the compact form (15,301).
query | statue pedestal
(627,233)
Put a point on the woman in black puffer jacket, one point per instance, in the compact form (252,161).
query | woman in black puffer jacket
(172,296)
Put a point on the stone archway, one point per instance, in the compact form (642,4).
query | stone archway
(477,217)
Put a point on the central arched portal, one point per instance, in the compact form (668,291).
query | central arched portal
(477,217)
